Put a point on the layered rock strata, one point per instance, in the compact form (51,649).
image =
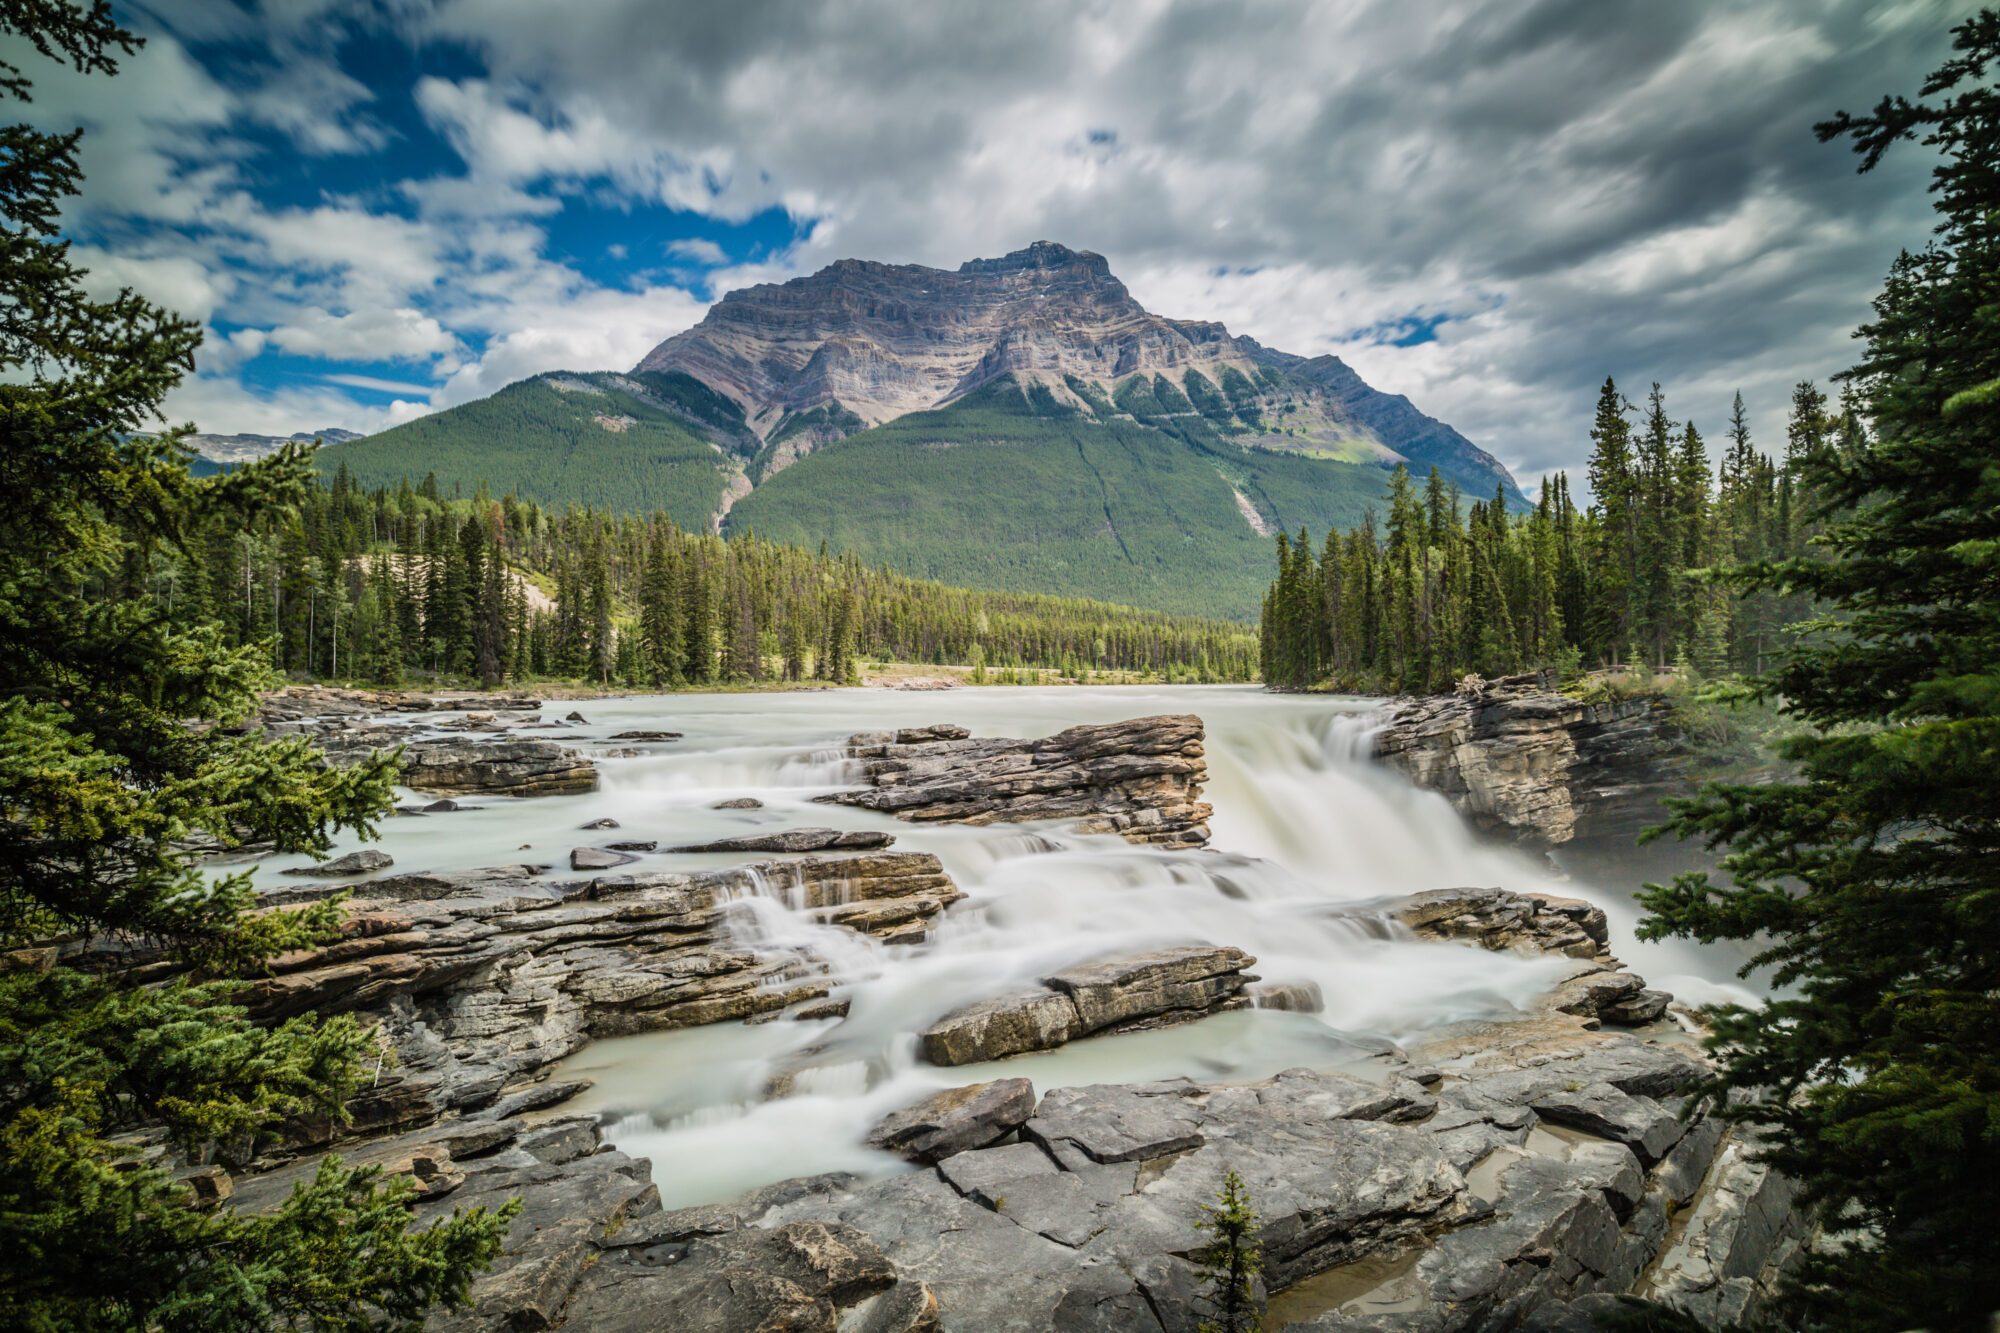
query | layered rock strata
(1128,994)
(1140,779)
(1598,988)
(1520,760)
(487,977)
(874,341)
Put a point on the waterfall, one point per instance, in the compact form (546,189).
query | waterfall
(1311,838)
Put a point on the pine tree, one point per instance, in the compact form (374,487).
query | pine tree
(1872,876)
(1230,1263)
(102,782)
(1614,482)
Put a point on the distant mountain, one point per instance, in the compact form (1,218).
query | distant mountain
(1021,423)
(245,448)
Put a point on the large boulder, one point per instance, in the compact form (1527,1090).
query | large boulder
(956,1120)
(499,768)
(1124,994)
(1140,779)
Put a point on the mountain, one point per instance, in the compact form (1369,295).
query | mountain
(245,448)
(1021,423)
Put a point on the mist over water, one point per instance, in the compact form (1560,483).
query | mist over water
(1309,836)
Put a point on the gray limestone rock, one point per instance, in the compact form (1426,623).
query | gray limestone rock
(1140,779)
(956,1120)
(795,840)
(1030,1020)
(1116,993)
(1539,767)
(363,862)
(597,858)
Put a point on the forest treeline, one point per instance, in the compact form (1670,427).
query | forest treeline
(1442,589)
(387,584)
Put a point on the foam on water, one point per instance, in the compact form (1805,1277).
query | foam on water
(1308,834)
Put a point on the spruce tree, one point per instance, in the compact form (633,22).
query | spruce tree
(1873,874)
(102,782)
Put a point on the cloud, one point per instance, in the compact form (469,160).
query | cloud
(1550,194)
(376,334)
(699,250)
(1640,197)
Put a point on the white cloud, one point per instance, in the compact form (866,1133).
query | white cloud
(401,334)
(1577,197)
(699,250)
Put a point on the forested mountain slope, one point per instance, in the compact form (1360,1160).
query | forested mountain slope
(1019,492)
(1021,423)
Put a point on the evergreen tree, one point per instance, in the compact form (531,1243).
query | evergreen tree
(1231,1261)
(1873,873)
(101,782)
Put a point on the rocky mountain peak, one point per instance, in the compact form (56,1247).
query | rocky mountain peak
(1042,255)
(882,340)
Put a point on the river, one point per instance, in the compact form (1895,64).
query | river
(1307,833)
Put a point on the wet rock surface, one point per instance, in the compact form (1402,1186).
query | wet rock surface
(1538,767)
(796,840)
(956,1120)
(1125,994)
(1597,988)
(349,726)
(366,861)
(484,978)
(1140,779)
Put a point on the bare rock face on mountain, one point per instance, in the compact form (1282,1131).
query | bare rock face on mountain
(881,340)
(1538,767)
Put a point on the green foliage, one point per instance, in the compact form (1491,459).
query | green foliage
(607,441)
(1453,591)
(991,493)
(1230,1263)
(109,766)
(1871,878)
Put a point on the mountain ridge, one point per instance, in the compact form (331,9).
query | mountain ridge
(1021,423)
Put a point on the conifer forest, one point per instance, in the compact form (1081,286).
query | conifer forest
(1438,589)
(396,585)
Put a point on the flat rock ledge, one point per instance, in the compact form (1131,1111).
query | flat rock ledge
(1127,994)
(1537,767)
(484,978)
(483,758)
(1140,779)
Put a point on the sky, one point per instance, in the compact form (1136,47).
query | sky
(384,208)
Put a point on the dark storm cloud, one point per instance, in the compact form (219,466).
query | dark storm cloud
(1561,189)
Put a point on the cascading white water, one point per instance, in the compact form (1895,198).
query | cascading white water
(1308,832)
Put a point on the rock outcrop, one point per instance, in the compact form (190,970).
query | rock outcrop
(1598,988)
(485,758)
(1538,767)
(796,840)
(1139,779)
(511,767)
(874,341)
(484,978)
(1404,1200)
(1128,994)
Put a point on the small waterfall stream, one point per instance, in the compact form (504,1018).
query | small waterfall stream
(1308,833)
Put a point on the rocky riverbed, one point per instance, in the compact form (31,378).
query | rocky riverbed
(1468,1174)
